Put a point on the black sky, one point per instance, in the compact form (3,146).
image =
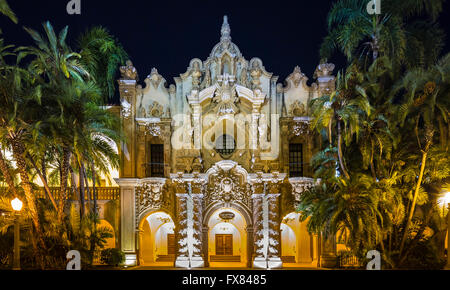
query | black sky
(167,34)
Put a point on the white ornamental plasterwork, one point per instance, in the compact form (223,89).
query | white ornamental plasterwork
(153,130)
(227,184)
(297,109)
(126,109)
(226,95)
(301,126)
(152,195)
(300,185)
(155,78)
(155,110)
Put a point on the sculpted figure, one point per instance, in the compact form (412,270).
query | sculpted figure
(255,73)
(196,74)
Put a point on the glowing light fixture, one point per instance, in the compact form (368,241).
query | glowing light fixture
(16,204)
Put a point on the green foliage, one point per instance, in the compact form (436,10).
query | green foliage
(112,257)
(391,110)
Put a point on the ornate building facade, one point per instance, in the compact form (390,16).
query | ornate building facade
(212,166)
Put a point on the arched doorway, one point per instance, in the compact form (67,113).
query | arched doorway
(157,239)
(298,246)
(227,238)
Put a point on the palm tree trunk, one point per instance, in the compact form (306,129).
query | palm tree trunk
(6,174)
(413,205)
(341,161)
(372,166)
(73,183)
(429,133)
(18,153)
(44,181)
(43,168)
(87,186)
(63,186)
(81,185)
(94,193)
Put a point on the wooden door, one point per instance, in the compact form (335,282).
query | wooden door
(224,244)
(170,244)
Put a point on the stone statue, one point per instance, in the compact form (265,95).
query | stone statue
(255,73)
(244,77)
(207,80)
(196,75)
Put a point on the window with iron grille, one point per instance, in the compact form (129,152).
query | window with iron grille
(225,145)
(156,160)
(296,160)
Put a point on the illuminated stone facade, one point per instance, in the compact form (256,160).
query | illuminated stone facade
(226,140)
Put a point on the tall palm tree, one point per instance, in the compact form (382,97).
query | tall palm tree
(359,35)
(6,10)
(427,95)
(342,109)
(101,54)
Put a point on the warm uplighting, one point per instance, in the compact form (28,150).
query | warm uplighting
(16,204)
(445,199)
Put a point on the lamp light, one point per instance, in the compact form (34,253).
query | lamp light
(16,204)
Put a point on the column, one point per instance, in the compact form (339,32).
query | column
(205,231)
(254,128)
(196,119)
(250,243)
(189,227)
(259,259)
(273,200)
(328,257)
(128,231)
(182,259)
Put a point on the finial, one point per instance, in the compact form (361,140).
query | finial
(226,30)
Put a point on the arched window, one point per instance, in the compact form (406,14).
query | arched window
(225,145)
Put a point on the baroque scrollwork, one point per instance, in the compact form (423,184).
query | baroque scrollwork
(227,186)
(152,195)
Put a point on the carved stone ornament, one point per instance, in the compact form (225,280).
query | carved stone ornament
(324,70)
(196,75)
(155,110)
(300,128)
(126,109)
(128,71)
(151,195)
(227,216)
(155,78)
(297,109)
(255,73)
(297,76)
(300,185)
(227,186)
(226,95)
(153,130)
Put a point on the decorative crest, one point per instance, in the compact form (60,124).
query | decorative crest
(226,30)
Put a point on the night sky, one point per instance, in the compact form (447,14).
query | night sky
(167,34)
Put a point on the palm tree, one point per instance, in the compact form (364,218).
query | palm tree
(427,97)
(102,54)
(359,35)
(342,109)
(6,10)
